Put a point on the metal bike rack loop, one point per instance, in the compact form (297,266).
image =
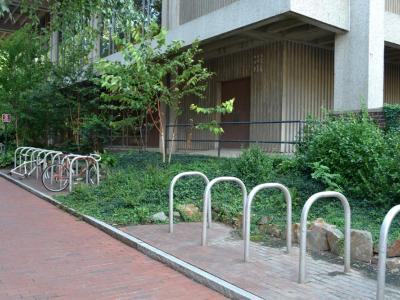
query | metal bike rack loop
(247,214)
(387,222)
(303,230)
(171,196)
(86,158)
(207,202)
(71,166)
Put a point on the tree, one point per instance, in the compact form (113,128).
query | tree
(24,65)
(153,74)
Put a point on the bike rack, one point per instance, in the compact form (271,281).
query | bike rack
(303,230)
(42,161)
(171,196)
(288,199)
(207,202)
(24,153)
(387,222)
(76,159)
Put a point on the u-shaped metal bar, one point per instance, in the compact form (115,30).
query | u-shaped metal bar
(303,230)
(250,199)
(387,222)
(207,201)
(171,196)
(76,160)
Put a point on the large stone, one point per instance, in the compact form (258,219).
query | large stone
(265,220)
(295,233)
(361,245)
(394,249)
(189,211)
(393,265)
(270,229)
(317,237)
(159,217)
(335,240)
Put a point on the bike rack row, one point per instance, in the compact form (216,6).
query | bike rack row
(27,160)
(247,202)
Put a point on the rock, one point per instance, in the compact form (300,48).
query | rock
(265,220)
(189,211)
(361,245)
(317,237)
(270,229)
(394,249)
(393,265)
(177,215)
(159,217)
(335,240)
(295,233)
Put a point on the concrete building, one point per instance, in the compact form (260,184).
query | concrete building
(284,60)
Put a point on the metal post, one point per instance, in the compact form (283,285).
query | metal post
(387,222)
(207,202)
(247,213)
(303,230)
(171,196)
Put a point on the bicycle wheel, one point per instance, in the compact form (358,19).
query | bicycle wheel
(55,178)
(93,175)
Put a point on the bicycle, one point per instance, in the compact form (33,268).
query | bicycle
(57,177)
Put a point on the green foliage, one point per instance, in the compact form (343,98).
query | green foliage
(213,126)
(153,73)
(95,133)
(24,65)
(6,159)
(254,166)
(323,174)
(392,117)
(137,187)
(352,154)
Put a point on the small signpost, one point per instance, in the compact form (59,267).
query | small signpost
(5,118)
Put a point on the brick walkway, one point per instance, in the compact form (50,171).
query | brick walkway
(270,274)
(46,253)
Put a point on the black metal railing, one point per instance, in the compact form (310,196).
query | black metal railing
(287,133)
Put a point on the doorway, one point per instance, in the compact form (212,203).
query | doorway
(240,90)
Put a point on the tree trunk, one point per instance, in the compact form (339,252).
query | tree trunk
(171,149)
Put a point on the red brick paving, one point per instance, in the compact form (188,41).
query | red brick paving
(46,253)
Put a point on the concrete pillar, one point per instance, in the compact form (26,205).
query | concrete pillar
(359,58)
(54,49)
(95,53)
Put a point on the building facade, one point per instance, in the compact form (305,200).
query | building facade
(284,60)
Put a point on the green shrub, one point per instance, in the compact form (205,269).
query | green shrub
(353,154)
(254,166)
(392,117)
(6,159)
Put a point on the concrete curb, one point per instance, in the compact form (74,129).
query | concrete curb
(225,288)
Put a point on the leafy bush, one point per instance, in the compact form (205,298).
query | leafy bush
(6,159)
(392,117)
(353,154)
(95,133)
(254,166)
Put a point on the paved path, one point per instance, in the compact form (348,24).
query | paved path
(270,274)
(46,253)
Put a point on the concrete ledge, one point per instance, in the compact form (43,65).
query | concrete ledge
(227,289)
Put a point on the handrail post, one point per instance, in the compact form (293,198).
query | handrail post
(171,196)
(303,230)
(387,222)
(207,201)
(247,213)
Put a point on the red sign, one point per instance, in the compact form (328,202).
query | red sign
(6,118)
